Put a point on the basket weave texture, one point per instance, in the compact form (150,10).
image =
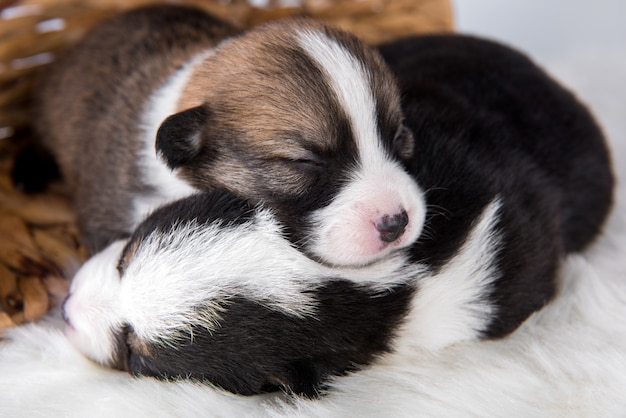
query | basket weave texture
(39,248)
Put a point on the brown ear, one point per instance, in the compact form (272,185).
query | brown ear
(178,137)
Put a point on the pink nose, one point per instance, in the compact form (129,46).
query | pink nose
(392,227)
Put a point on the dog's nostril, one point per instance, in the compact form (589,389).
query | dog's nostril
(63,311)
(392,227)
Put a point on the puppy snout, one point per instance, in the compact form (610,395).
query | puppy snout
(392,227)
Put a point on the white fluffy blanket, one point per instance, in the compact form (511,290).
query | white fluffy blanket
(569,360)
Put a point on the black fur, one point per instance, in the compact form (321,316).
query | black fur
(34,168)
(203,208)
(488,122)
(177,138)
(256,348)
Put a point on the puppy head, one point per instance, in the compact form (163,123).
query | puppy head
(207,288)
(307,120)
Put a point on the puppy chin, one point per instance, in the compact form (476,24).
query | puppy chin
(95,343)
(90,310)
(358,244)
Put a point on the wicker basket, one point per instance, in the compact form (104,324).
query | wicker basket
(39,249)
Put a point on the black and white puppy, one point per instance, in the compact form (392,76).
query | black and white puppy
(208,288)
(517,175)
(163,101)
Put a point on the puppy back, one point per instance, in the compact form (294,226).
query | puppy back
(499,125)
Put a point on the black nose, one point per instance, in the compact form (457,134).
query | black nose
(392,227)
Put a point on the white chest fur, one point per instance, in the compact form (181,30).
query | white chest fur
(166,185)
(453,304)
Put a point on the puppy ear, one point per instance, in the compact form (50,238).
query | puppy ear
(178,137)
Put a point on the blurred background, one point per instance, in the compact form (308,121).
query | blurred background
(581,42)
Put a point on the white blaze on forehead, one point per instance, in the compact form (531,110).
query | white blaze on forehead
(350,82)
(344,232)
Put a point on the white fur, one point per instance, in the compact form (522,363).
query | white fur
(155,172)
(171,275)
(453,305)
(345,232)
(93,305)
(568,360)
(163,288)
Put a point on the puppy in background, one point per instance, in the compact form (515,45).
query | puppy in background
(517,176)
(163,101)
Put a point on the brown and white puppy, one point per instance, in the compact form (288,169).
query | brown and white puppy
(294,114)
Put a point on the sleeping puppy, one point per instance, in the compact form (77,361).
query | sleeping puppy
(517,175)
(208,288)
(163,101)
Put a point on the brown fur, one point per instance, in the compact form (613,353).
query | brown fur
(90,103)
(268,99)
(266,114)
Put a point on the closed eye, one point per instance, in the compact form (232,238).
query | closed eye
(306,160)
